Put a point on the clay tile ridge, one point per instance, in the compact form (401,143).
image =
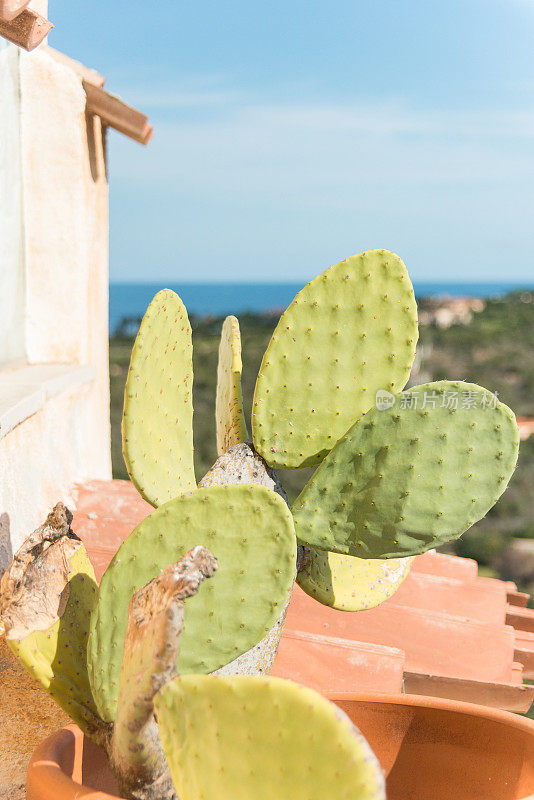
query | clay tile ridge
(117,114)
(22,26)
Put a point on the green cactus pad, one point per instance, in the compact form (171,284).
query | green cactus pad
(413,476)
(263,738)
(229,414)
(157,422)
(57,657)
(348,583)
(249,529)
(347,334)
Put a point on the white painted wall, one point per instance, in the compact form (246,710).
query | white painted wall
(53,286)
(11,235)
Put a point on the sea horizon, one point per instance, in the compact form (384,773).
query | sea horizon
(130,299)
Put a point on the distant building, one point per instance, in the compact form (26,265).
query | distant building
(444,312)
(526,427)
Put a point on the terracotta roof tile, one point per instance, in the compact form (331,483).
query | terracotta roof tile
(27,30)
(434,642)
(463,569)
(117,114)
(520,618)
(443,633)
(478,601)
(327,663)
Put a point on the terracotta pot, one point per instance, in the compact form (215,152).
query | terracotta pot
(444,749)
(429,748)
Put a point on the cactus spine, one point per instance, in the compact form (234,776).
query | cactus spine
(393,480)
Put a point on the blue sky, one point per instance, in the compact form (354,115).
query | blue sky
(291,134)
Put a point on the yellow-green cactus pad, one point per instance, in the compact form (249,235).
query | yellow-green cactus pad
(263,738)
(229,414)
(57,656)
(249,530)
(412,476)
(350,332)
(157,422)
(348,583)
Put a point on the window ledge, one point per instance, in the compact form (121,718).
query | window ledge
(25,390)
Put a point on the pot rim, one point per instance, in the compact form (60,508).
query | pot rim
(46,779)
(439,703)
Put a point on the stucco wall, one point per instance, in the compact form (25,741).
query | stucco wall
(11,265)
(54,286)
(41,458)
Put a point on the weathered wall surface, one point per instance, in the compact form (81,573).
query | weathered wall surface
(53,285)
(11,266)
(40,460)
(54,421)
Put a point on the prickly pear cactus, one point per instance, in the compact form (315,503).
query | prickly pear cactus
(229,414)
(241,464)
(46,598)
(412,476)
(157,422)
(241,738)
(350,332)
(350,584)
(151,647)
(249,529)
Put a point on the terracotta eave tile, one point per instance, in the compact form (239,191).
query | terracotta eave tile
(524,652)
(507,696)
(117,114)
(519,599)
(27,30)
(520,618)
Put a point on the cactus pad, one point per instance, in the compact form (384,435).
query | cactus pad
(229,414)
(57,656)
(249,529)
(157,422)
(349,333)
(348,583)
(413,476)
(241,738)
(151,647)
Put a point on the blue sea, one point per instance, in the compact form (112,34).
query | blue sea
(219,299)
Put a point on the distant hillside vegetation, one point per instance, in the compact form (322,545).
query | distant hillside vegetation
(493,347)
